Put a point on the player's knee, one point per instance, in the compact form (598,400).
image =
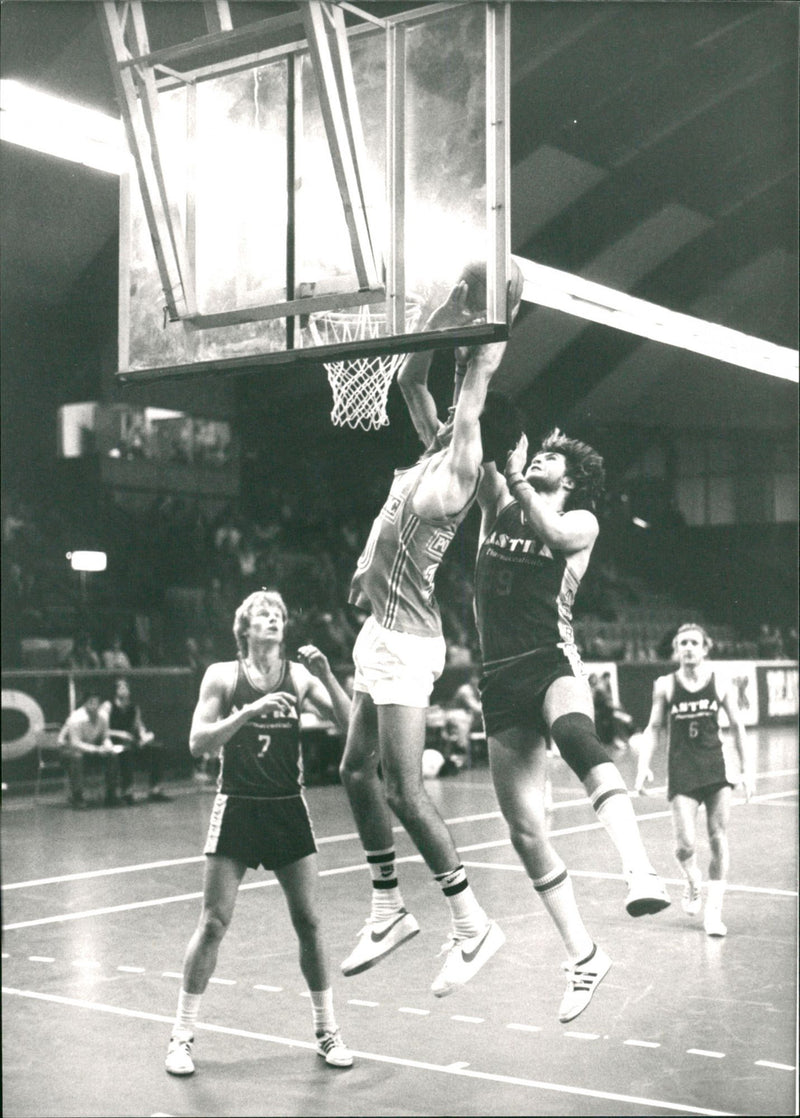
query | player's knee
(529,835)
(684,850)
(578,743)
(214,924)
(305,923)
(356,768)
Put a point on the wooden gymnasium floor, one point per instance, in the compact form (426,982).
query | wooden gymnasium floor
(99,906)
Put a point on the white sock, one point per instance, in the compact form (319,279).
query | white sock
(322,1009)
(386,898)
(558,897)
(188,1010)
(469,919)
(614,809)
(716,891)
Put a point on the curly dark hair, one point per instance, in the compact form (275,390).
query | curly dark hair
(584,467)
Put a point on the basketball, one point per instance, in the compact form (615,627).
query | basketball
(474,275)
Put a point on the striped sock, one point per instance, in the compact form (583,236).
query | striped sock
(386,898)
(614,809)
(469,919)
(558,896)
(322,1010)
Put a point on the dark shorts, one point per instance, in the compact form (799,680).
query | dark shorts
(512,695)
(268,833)
(702,795)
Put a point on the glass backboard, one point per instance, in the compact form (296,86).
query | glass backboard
(329,157)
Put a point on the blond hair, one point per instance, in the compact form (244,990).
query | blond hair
(255,604)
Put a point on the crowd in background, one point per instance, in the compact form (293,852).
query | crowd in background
(176,574)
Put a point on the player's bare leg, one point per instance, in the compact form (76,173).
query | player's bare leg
(684,828)
(569,712)
(519,763)
(389,924)
(718,806)
(299,881)
(221,882)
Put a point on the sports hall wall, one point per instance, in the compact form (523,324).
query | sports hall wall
(35,704)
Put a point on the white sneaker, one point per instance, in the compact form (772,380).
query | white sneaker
(465,957)
(333,1050)
(582,981)
(692,900)
(378,938)
(714,926)
(646,894)
(179,1056)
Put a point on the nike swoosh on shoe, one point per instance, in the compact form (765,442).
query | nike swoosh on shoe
(468,956)
(376,937)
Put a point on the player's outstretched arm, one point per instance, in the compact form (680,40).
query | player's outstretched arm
(413,374)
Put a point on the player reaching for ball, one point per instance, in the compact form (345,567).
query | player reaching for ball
(687,704)
(400,652)
(538,529)
(248,712)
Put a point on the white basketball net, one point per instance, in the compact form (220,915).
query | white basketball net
(360,385)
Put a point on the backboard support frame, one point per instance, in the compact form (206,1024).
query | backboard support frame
(140,74)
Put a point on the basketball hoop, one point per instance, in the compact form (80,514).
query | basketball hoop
(360,385)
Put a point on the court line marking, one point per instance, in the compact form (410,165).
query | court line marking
(351,836)
(455,1017)
(705,1052)
(420,1065)
(514,867)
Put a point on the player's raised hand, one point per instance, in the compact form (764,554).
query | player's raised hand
(518,457)
(316,662)
(453,311)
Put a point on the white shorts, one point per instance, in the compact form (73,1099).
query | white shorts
(396,668)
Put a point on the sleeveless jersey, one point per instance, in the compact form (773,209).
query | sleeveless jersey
(695,756)
(263,759)
(394,577)
(523,592)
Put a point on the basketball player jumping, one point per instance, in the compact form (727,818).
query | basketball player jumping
(400,652)
(248,712)
(686,704)
(537,535)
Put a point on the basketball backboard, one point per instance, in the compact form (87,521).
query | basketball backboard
(330,156)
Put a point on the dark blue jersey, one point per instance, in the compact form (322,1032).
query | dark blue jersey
(523,592)
(263,759)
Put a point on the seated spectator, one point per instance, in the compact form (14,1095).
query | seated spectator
(126,729)
(83,654)
(115,659)
(86,732)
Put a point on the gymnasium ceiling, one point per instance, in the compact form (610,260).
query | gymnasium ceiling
(654,149)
